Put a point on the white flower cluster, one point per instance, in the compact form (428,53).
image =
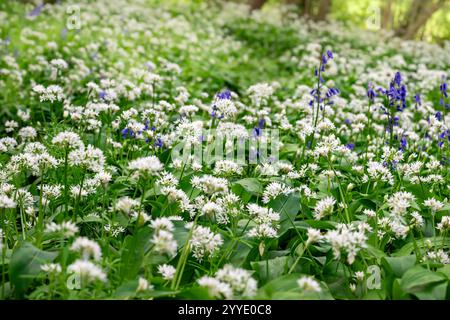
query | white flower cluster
(266,221)
(163,239)
(230,283)
(85,269)
(204,242)
(346,240)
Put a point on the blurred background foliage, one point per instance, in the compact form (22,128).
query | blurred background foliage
(427,20)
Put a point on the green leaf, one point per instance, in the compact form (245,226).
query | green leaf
(288,207)
(420,282)
(286,287)
(25,265)
(399,265)
(251,185)
(437,292)
(271,268)
(133,252)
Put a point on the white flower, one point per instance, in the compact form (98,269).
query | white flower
(444,225)
(224,109)
(215,287)
(52,93)
(87,271)
(369,213)
(204,242)
(314,236)
(240,280)
(143,285)
(68,139)
(433,204)
(87,248)
(67,228)
(273,190)
(309,284)
(227,167)
(260,93)
(147,165)
(167,271)
(126,204)
(164,242)
(399,202)
(346,239)
(91,158)
(209,184)
(324,207)
(6,202)
(229,283)
(162,224)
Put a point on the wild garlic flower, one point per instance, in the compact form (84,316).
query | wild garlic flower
(6,202)
(444,225)
(309,284)
(91,158)
(275,189)
(230,283)
(227,168)
(146,166)
(210,184)
(68,139)
(433,204)
(66,229)
(87,248)
(324,207)
(346,240)
(163,239)
(52,93)
(87,271)
(314,235)
(126,205)
(399,202)
(167,271)
(204,242)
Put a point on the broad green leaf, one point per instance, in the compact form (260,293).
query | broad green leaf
(288,207)
(399,265)
(271,268)
(133,253)
(25,265)
(251,185)
(286,287)
(420,282)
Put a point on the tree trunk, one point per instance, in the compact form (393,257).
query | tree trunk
(324,10)
(417,16)
(256,4)
(386,15)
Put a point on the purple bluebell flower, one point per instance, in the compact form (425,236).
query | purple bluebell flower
(443,88)
(370,92)
(330,54)
(36,11)
(350,146)
(417,99)
(158,143)
(332,92)
(64,33)
(403,143)
(398,78)
(225,94)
